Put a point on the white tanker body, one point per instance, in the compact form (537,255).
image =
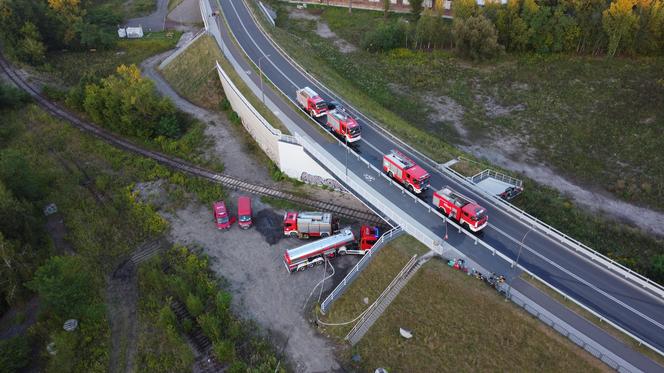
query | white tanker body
(313,253)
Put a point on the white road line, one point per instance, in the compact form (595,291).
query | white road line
(579,279)
(463,187)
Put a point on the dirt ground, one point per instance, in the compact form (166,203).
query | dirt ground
(252,262)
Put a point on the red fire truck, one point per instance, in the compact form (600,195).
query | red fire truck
(460,208)
(221,218)
(309,224)
(311,102)
(342,124)
(342,243)
(405,171)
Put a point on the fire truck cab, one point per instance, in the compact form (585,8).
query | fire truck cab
(368,237)
(311,102)
(221,218)
(460,208)
(342,124)
(401,168)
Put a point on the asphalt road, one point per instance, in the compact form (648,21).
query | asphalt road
(634,309)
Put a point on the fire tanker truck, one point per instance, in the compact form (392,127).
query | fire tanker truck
(309,224)
(311,102)
(343,125)
(404,170)
(342,243)
(460,208)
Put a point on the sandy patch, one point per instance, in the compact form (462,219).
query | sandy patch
(446,109)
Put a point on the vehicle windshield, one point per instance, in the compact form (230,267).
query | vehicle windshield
(245,218)
(321,105)
(354,131)
(423,181)
(222,220)
(479,215)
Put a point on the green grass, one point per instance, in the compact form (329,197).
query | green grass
(458,324)
(569,126)
(71,66)
(282,204)
(194,76)
(592,318)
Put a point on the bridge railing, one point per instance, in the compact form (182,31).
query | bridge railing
(361,264)
(573,244)
(411,226)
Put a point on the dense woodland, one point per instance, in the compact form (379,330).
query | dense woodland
(574,26)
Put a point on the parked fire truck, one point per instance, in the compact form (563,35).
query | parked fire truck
(342,243)
(311,102)
(309,224)
(460,208)
(405,171)
(342,124)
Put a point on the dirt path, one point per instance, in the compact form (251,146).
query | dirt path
(121,299)
(263,290)
(648,220)
(231,151)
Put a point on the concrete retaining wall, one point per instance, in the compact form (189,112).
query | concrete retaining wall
(285,151)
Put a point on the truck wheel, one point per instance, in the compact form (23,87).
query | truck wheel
(311,112)
(311,265)
(411,189)
(323,235)
(293,234)
(342,252)
(390,174)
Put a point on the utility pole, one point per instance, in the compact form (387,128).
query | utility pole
(516,263)
(261,73)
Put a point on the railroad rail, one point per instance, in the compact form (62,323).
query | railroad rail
(177,163)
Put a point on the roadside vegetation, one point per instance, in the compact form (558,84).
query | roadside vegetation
(465,324)
(523,102)
(181,275)
(193,73)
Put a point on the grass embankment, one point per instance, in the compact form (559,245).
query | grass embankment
(189,280)
(458,324)
(193,73)
(592,318)
(576,128)
(71,66)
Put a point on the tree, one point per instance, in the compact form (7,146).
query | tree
(588,16)
(65,286)
(386,8)
(70,14)
(620,23)
(650,34)
(416,7)
(11,98)
(464,9)
(476,38)
(30,48)
(194,305)
(14,354)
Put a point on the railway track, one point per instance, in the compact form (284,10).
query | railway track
(179,164)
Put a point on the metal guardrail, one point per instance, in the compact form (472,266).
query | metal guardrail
(361,264)
(564,239)
(496,175)
(417,230)
(574,244)
(387,295)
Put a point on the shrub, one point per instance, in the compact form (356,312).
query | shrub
(386,37)
(14,354)
(224,351)
(476,38)
(194,305)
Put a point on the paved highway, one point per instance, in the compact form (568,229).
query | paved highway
(634,309)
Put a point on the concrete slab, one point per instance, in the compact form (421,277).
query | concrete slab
(493,186)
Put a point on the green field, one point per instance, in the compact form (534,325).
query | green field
(71,66)
(458,323)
